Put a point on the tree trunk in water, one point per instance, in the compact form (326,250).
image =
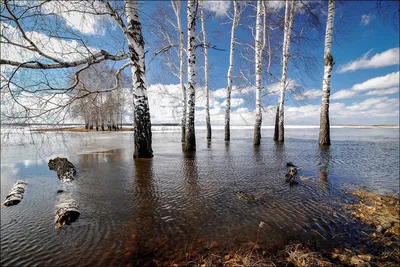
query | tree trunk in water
(177,9)
(120,126)
(190,138)
(231,59)
(87,125)
(258,50)
(203,28)
(324,127)
(276,132)
(142,137)
(289,17)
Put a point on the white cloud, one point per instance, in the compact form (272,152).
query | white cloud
(276,5)
(220,8)
(389,80)
(343,94)
(366,19)
(235,102)
(60,49)
(381,83)
(221,93)
(370,111)
(83,22)
(389,91)
(309,94)
(389,57)
(291,86)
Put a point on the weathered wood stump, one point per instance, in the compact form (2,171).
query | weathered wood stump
(16,194)
(65,169)
(291,176)
(66,213)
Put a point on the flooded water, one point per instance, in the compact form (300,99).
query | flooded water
(149,212)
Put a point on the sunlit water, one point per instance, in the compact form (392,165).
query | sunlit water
(149,212)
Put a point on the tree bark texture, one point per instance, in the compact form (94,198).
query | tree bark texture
(203,29)
(190,137)
(289,17)
(258,51)
(324,128)
(231,61)
(143,136)
(177,10)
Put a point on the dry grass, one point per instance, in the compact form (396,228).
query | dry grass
(299,255)
(379,211)
(383,213)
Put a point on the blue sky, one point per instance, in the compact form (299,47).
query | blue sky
(365,79)
(359,33)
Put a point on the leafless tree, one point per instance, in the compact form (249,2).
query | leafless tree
(34,82)
(190,138)
(324,131)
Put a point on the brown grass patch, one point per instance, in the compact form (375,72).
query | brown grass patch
(379,211)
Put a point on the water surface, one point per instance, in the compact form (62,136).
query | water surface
(143,211)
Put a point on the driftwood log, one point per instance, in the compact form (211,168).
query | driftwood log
(67,212)
(65,169)
(16,194)
(291,176)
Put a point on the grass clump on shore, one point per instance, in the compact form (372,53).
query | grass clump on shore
(379,211)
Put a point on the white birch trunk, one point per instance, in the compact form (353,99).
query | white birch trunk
(279,122)
(177,10)
(324,130)
(190,138)
(142,138)
(258,51)
(231,59)
(203,29)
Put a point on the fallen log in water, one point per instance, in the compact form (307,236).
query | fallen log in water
(66,213)
(16,194)
(65,169)
(291,175)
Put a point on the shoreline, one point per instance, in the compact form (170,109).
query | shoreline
(370,209)
(79,129)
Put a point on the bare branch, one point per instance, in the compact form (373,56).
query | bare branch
(99,56)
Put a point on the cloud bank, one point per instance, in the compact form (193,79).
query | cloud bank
(389,57)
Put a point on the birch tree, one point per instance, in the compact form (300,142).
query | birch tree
(258,65)
(23,17)
(289,18)
(190,138)
(176,5)
(142,139)
(324,128)
(235,23)
(204,34)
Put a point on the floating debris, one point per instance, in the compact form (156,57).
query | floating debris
(16,194)
(65,169)
(67,213)
(291,176)
(248,197)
